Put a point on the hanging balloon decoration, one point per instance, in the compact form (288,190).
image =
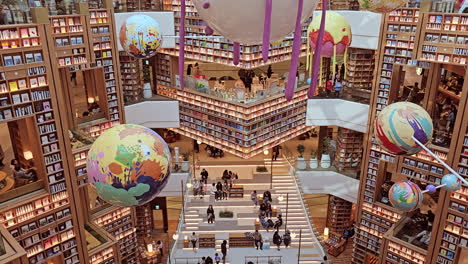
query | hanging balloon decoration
(140,36)
(336,39)
(405,129)
(381,6)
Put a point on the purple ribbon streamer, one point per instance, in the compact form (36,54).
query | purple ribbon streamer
(236,53)
(289,92)
(182,44)
(318,53)
(267,30)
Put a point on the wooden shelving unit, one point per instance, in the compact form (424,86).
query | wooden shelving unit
(144,221)
(164,69)
(206,241)
(360,74)
(242,129)
(338,215)
(240,241)
(348,154)
(131,71)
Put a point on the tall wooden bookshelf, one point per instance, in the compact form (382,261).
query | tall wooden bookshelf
(360,67)
(144,220)
(348,150)
(412,39)
(338,215)
(131,70)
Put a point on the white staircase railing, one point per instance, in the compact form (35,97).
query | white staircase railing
(298,185)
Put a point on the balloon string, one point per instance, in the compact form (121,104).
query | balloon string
(182,44)
(267,30)
(334,61)
(236,53)
(289,92)
(318,52)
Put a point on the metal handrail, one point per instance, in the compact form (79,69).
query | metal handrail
(301,193)
(269,259)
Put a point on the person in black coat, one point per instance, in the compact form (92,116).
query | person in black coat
(268,210)
(219,191)
(210,214)
(279,222)
(224,250)
(208,260)
(267,196)
(277,240)
(204,176)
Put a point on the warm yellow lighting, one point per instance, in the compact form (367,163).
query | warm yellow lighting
(175,236)
(281,198)
(293,235)
(326,232)
(28,155)
(150,247)
(199,142)
(90,100)
(266,152)
(189,185)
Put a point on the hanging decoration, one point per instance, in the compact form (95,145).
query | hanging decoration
(397,123)
(381,6)
(182,44)
(253,22)
(336,39)
(128,165)
(140,36)
(405,129)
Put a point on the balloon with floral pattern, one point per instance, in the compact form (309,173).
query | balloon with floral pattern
(128,165)
(406,196)
(140,36)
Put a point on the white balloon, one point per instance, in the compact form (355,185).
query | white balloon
(243,20)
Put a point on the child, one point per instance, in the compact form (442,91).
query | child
(217,258)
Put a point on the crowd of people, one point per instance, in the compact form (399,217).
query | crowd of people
(208,260)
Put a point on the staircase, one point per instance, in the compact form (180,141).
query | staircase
(245,215)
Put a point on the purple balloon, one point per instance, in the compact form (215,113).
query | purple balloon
(182,44)
(431,188)
(236,53)
(208,30)
(206,5)
(296,49)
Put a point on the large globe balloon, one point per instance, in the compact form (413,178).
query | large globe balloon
(382,6)
(140,36)
(243,20)
(452,183)
(397,123)
(406,196)
(128,165)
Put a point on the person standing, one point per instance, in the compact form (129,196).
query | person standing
(196,188)
(253,197)
(268,210)
(204,176)
(287,238)
(329,87)
(160,246)
(224,250)
(2,157)
(210,214)
(213,190)
(258,240)
(193,239)
(277,239)
(338,87)
(189,69)
(217,258)
(225,190)
(201,189)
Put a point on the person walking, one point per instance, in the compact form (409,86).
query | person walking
(253,197)
(287,238)
(204,176)
(193,239)
(224,250)
(277,240)
(279,222)
(338,87)
(225,190)
(258,240)
(217,258)
(210,215)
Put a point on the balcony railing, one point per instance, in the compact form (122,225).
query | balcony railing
(264,259)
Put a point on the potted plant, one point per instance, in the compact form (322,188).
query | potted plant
(325,161)
(262,169)
(147,92)
(226,214)
(185,163)
(313,160)
(301,163)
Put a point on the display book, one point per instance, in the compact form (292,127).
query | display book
(445,38)
(70,40)
(232,112)
(131,71)
(105,56)
(105,256)
(360,67)
(118,222)
(348,149)
(163,70)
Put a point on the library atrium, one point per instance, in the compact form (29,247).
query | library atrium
(278,132)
